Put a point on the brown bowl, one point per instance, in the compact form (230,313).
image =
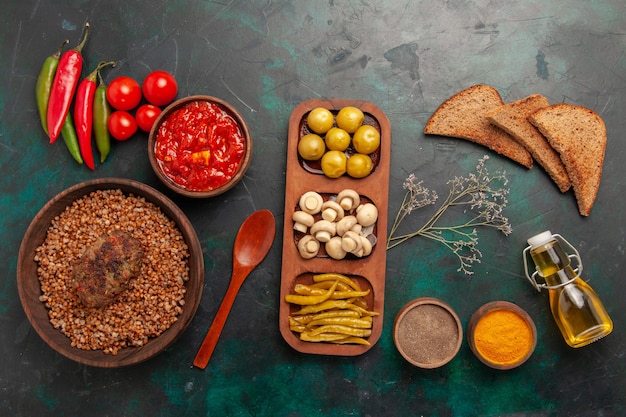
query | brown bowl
(427,333)
(210,190)
(517,327)
(30,290)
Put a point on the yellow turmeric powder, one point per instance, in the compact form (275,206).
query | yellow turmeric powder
(503,337)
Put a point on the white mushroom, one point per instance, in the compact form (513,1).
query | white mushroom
(311,202)
(348,199)
(367,214)
(366,247)
(351,242)
(302,221)
(345,224)
(357,228)
(308,247)
(323,230)
(334,249)
(332,211)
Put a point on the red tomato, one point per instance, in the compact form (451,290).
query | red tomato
(124,93)
(122,125)
(146,115)
(160,88)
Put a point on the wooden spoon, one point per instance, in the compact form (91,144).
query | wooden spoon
(253,242)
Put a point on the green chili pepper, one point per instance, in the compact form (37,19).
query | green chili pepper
(70,138)
(365,323)
(310,299)
(337,277)
(101,112)
(339,329)
(44,84)
(303,289)
(324,337)
(353,340)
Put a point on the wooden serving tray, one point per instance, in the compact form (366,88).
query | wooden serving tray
(368,271)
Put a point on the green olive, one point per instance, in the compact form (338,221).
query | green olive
(320,120)
(350,119)
(359,165)
(334,164)
(366,139)
(337,139)
(311,147)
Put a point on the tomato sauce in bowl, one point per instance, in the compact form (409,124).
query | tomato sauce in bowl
(201,146)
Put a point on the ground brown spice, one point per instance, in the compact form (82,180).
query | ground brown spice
(428,334)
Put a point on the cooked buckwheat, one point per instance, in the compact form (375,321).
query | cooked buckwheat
(154,299)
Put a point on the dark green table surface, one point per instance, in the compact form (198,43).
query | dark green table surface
(265,57)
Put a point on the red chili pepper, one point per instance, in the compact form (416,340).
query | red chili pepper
(64,87)
(83,113)
(44,84)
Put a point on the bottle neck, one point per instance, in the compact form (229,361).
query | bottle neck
(553,264)
(560,277)
(550,257)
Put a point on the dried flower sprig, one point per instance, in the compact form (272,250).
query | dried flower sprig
(482,194)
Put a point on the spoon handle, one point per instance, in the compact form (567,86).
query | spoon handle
(210,340)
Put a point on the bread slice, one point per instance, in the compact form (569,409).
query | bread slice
(463,116)
(578,134)
(512,118)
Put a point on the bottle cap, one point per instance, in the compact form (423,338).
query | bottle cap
(540,239)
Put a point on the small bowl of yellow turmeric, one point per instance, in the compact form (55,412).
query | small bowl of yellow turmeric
(501,335)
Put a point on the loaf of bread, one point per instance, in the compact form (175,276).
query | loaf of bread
(513,119)
(578,134)
(463,116)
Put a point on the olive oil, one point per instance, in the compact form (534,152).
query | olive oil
(575,306)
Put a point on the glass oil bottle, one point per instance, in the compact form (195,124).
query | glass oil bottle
(575,306)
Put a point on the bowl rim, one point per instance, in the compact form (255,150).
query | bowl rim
(435,302)
(29,288)
(243,166)
(493,306)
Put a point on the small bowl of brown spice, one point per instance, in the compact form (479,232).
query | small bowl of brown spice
(110,272)
(427,332)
